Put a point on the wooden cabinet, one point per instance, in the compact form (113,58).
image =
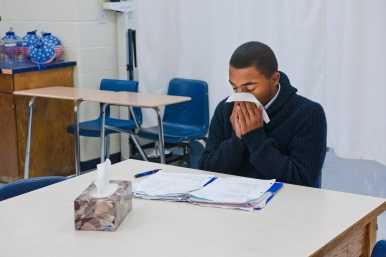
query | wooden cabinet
(8,141)
(52,148)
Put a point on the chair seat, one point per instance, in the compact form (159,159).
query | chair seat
(92,128)
(174,133)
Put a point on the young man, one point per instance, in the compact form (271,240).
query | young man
(290,148)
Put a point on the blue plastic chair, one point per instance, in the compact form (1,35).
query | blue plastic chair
(92,128)
(318,183)
(184,122)
(23,186)
(379,249)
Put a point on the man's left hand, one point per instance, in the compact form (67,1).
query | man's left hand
(250,117)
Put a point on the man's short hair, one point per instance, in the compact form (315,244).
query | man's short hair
(255,54)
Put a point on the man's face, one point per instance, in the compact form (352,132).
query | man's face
(250,80)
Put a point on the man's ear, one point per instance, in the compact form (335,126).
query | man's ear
(276,78)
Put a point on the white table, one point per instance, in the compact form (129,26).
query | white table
(298,222)
(79,95)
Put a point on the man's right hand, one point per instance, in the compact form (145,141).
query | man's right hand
(234,119)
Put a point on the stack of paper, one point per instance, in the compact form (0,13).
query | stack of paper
(169,186)
(235,193)
(230,192)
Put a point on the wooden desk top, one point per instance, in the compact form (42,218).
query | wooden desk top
(102,96)
(297,222)
(65,93)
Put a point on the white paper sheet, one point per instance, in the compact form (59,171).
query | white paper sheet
(235,190)
(169,184)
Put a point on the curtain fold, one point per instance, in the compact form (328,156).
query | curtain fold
(333,52)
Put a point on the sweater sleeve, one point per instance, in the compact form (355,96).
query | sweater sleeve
(222,154)
(303,160)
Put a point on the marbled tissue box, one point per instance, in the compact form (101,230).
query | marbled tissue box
(106,213)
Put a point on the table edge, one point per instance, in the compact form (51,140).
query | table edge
(362,222)
(24,92)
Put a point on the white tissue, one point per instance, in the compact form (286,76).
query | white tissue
(248,97)
(102,181)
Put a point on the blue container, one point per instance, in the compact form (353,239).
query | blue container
(41,53)
(12,46)
(28,40)
(10,36)
(50,39)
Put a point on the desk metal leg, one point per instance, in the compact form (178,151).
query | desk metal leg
(132,114)
(103,132)
(132,136)
(77,137)
(160,135)
(138,146)
(29,134)
(107,146)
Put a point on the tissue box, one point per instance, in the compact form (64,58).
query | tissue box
(106,213)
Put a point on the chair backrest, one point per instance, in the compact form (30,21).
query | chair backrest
(23,186)
(122,85)
(318,183)
(379,249)
(193,113)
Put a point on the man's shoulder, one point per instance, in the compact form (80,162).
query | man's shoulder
(223,107)
(307,104)
(306,111)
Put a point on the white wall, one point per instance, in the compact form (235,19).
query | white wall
(89,37)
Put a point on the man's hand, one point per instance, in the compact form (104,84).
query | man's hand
(249,117)
(234,119)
